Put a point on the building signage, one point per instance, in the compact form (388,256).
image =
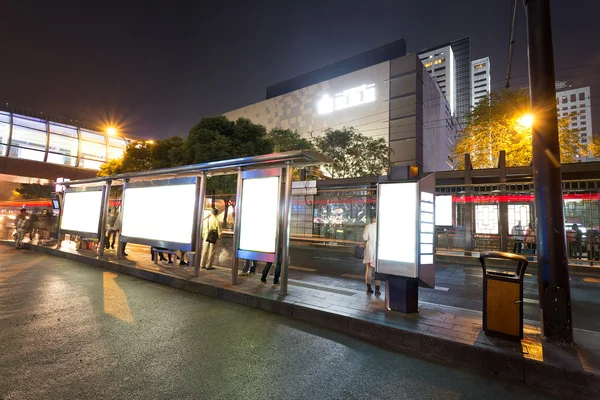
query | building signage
(348,98)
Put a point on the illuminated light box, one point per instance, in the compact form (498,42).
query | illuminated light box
(259,215)
(81,213)
(406,230)
(160,213)
(443,210)
(397,228)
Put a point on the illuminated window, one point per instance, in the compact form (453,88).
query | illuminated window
(28,138)
(28,122)
(564,99)
(4,132)
(441,60)
(63,129)
(92,136)
(115,152)
(480,65)
(93,151)
(427,65)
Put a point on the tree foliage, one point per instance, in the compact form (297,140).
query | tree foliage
(354,154)
(288,140)
(594,147)
(31,191)
(493,125)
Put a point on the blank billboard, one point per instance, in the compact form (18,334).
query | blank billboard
(82,212)
(443,210)
(159,213)
(260,214)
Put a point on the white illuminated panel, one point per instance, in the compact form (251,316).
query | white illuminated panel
(82,211)
(164,213)
(348,98)
(443,210)
(427,228)
(397,229)
(259,218)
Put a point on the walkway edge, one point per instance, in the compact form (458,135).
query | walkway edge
(485,359)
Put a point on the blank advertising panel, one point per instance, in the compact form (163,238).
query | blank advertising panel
(443,210)
(82,212)
(397,218)
(260,214)
(162,213)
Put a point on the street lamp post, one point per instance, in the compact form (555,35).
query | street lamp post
(553,274)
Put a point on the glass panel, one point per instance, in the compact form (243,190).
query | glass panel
(426,249)
(63,129)
(93,136)
(117,142)
(90,164)
(4,132)
(2,150)
(427,259)
(114,153)
(29,122)
(93,151)
(4,116)
(27,154)
(427,197)
(427,207)
(426,217)
(63,145)
(62,159)
(426,228)
(427,238)
(28,138)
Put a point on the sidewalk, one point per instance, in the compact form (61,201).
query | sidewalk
(441,332)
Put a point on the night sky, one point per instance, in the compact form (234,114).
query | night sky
(160,66)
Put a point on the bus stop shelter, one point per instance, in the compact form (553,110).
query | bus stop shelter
(165,207)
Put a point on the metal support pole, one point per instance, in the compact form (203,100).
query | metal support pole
(285,236)
(236,227)
(468,207)
(103,215)
(10,133)
(47,141)
(199,223)
(120,249)
(61,199)
(553,274)
(503,204)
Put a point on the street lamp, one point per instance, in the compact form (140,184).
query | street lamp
(526,121)
(111,131)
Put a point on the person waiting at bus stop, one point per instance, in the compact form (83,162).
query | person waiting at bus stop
(370,237)
(248,269)
(211,231)
(266,269)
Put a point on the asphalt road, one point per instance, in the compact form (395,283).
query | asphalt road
(458,286)
(72,331)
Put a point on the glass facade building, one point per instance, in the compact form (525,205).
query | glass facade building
(31,138)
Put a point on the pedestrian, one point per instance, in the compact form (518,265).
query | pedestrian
(370,238)
(117,228)
(576,244)
(265,273)
(248,269)
(517,234)
(211,231)
(20,228)
(530,238)
(110,232)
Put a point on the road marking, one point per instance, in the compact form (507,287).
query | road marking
(442,288)
(335,259)
(303,269)
(531,301)
(16,269)
(355,276)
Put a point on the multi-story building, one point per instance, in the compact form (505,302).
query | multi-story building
(481,80)
(382,93)
(452,72)
(575,104)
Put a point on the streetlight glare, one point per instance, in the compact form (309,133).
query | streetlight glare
(526,121)
(111,131)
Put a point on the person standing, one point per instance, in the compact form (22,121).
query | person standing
(117,228)
(576,244)
(370,238)
(110,232)
(517,234)
(265,273)
(248,269)
(530,238)
(211,231)
(20,227)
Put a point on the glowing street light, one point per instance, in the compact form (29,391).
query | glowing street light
(149,141)
(111,131)
(526,121)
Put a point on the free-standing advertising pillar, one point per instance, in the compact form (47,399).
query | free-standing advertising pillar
(405,236)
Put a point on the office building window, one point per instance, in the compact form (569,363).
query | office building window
(28,138)
(564,99)
(582,105)
(581,96)
(564,114)
(573,107)
(573,97)
(582,117)
(574,124)
(63,129)
(93,151)
(4,132)
(583,122)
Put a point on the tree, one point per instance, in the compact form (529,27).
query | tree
(137,157)
(288,140)
(31,191)
(594,147)
(354,154)
(167,152)
(494,125)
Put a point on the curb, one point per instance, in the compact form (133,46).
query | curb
(479,358)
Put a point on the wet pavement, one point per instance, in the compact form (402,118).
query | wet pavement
(72,331)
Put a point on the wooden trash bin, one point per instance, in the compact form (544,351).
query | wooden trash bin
(503,298)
